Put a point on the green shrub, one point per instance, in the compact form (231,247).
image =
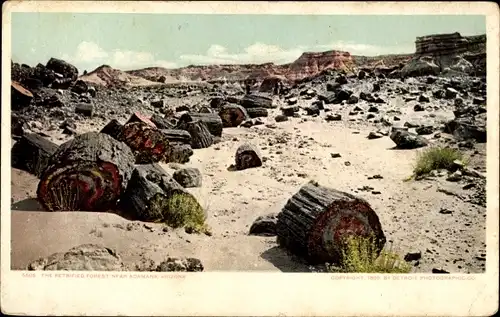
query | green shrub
(181,210)
(436,158)
(359,255)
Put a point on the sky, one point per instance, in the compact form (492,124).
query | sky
(132,41)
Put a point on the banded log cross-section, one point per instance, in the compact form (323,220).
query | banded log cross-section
(316,220)
(32,153)
(233,115)
(89,172)
(150,192)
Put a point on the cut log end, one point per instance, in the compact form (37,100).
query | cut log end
(317,222)
(233,115)
(333,228)
(89,186)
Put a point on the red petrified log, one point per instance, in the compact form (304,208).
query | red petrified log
(316,221)
(149,144)
(89,172)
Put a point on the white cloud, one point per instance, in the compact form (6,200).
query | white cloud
(254,54)
(263,53)
(89,55)
(365,49)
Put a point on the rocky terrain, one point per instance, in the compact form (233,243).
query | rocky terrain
(259,163)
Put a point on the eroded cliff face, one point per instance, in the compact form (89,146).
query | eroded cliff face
(308,64)
(449,53)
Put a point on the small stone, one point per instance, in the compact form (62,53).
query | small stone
(445,211)
(423,98)
(374,135)
(333,117)
(413,256)
(335,155)
(439,271)
(281,118)
(418,107)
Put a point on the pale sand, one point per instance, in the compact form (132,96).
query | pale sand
(408,211)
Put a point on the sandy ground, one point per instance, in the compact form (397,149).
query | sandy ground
(295,152)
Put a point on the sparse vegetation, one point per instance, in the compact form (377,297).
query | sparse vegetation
(436,158)
(359,255)
(181,210)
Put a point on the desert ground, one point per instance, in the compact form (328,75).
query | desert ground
(438,220)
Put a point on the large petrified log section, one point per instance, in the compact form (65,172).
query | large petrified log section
(200,136)
(233,115)
(316,221)
(153,195)
(211,120)
(247,156)
(89,172)
(32,153)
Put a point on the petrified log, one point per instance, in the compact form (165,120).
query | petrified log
(138,117)
(233,115)
(211,120)
(113,128)
(85,109)
(257,112)
(200,136)
(149,144)
(177,135)
(161,123)
(89,172)
(247,156)
(32,153)
(257,101)
(20,96)
(316,221)
(153,195)
(289,111)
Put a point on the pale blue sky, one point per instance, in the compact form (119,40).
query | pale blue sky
(131,41)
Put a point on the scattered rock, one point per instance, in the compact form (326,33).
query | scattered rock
(264,225)
(407,140)
(180,264)
(188,177)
